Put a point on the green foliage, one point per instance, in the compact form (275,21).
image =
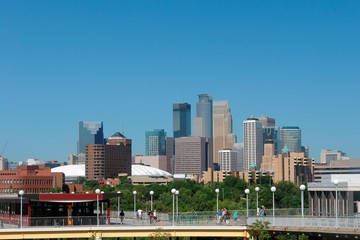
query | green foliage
(201,197)
(159,234)
(260,230)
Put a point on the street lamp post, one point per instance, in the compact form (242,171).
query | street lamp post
(118,214)
(257,189)
(177,205)
(151,200)
(247,191)
(302,188)
(336,182)
(21,193)
(273,190)
(217,199)
(97,191)
(102,205)
(134,192)
(173,193)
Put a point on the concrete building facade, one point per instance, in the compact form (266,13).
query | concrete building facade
(227,160)
(253,143)
(330,155)
(193,155)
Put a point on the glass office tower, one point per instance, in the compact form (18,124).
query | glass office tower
(155,142)
(89,133)
(181,120)
(203,123)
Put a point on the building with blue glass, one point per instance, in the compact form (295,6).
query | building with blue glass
(89,133)
(203,122)
(181,120)
(155,142)
(291,138)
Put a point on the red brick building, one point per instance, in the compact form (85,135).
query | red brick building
(31,179)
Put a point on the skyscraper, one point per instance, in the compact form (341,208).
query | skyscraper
(193,155)
(223,137)
(108,160)
(271,133)
(204,117)
(155,142)
(227,160)
(253,143)
(291,138)
(181,120)
(89,133)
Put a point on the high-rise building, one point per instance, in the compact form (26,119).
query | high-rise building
(204,117)
(267,122)
(271,133)
(89,133)
(170,154)
(181,120)
(239,148)
(193,155)
(267,159)
(223,137)
(155,142)
(253,143)
(326,156)
(227,160)
(291,138)
(108,160)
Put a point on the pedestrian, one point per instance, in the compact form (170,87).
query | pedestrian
(122,215)
(155,216)
(218,217)
(236,217)
(227,218)
(262,211)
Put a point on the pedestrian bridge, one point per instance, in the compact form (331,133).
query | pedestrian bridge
(321,227)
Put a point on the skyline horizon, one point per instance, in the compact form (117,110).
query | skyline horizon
(193,115)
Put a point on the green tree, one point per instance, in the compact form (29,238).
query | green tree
(260,230)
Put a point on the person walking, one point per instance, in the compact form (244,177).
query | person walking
(236,217)
(122,215)
(219,215)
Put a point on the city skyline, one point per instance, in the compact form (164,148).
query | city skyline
(126,63)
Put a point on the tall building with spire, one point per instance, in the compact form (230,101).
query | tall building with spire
(203,121)
(291,139)
(223,137)
(181,120)
(253,143)
(89,133)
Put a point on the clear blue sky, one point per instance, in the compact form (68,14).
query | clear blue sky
(126,62)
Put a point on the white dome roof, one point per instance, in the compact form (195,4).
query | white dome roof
(136,170)
(141,170)
(71,170)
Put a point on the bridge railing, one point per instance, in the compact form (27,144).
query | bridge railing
(309,222)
